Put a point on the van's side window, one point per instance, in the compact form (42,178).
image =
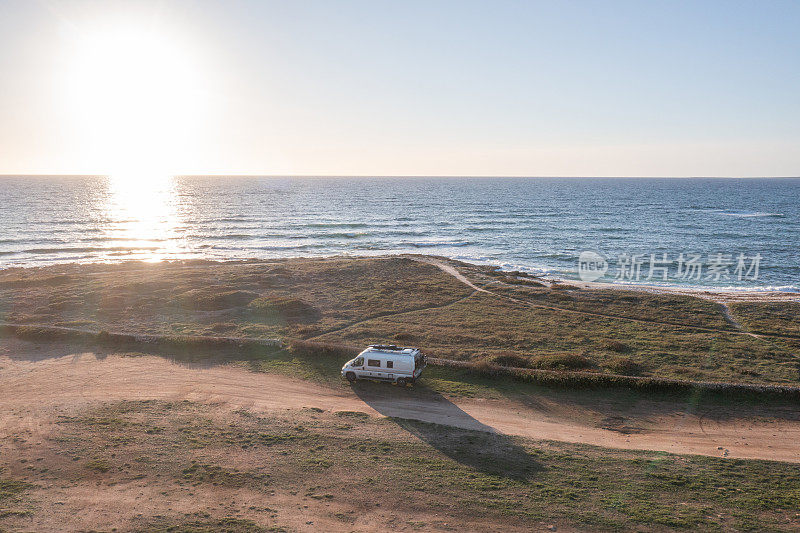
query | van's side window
(373,362)
(389,364)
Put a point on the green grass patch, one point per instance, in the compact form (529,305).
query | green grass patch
(98,465)
(11,490)
(407,465)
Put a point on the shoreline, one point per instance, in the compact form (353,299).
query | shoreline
(716,295)
(721,295)
(728,293)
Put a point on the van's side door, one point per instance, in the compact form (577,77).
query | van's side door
(373,368)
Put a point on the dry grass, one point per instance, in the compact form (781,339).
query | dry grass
(483,325)
(398,300)
(349,471)
(781,318)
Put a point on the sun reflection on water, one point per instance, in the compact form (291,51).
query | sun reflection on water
(142,215)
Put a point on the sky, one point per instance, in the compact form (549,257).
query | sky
(568,88)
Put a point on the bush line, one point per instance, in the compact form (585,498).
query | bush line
(589,380)
(482,368)
(105,338)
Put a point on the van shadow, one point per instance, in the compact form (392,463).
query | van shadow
(443,425)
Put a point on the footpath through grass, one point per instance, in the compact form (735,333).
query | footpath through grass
(396,299)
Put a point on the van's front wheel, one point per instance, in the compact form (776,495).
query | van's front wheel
(351,377)
(401,382)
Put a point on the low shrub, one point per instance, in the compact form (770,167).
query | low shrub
(625,366)
(322,349)
(98,465)
(222,327)
(307,331)
(561,361)
(291,309)
(214,299)
(44,333)
(559,286)
(616,346)
(556,361)
(510,359)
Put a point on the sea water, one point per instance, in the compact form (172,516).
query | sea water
(539,225)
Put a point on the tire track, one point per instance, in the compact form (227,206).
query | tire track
(449,269)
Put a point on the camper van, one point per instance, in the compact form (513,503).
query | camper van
(383,362)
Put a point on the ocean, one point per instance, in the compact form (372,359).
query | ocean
(743,233)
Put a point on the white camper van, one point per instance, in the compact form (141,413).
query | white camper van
(383,362)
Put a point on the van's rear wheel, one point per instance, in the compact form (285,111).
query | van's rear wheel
(351,377)
(401,382)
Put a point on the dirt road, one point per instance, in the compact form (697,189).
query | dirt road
(35,382)
(723,298)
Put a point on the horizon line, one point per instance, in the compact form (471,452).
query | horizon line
(378,176)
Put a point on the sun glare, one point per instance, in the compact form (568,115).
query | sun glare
(144,218)
(133,94)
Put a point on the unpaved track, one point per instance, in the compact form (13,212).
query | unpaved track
(720,299)
(33,391)
(451,270)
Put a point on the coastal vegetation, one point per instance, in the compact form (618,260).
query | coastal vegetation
(516,321)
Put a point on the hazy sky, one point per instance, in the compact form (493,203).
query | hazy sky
(572,88)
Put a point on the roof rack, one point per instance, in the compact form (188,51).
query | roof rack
(393,348)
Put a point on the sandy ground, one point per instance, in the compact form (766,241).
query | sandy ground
(36,381)
(719,296)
